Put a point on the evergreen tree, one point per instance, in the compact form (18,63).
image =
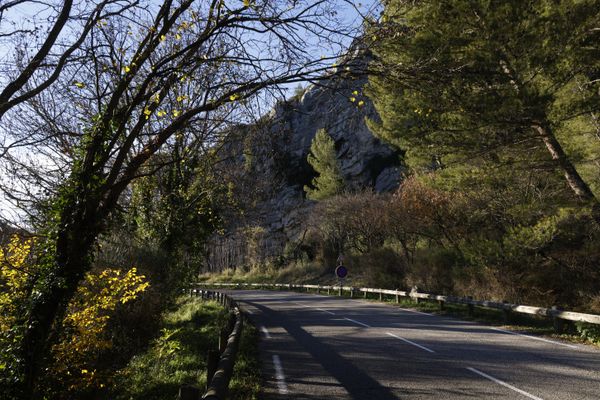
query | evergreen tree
(462,78)
(322,158)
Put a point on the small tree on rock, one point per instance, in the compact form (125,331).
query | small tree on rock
(322,158)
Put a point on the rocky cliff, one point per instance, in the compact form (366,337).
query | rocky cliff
(271,167)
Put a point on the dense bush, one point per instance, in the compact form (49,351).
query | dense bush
(488,240)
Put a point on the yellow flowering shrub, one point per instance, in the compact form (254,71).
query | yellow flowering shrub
(14,271)
(84,335)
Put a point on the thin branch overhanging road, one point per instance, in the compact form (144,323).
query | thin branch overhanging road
(320,347)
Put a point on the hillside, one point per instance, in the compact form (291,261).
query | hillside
(271,168)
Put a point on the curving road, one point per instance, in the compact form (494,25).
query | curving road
(321,347)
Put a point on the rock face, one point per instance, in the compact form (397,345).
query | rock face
(273,156)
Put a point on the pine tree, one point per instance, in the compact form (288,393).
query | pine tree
(461,78)
(322,158)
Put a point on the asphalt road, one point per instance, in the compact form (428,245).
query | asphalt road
(321,347)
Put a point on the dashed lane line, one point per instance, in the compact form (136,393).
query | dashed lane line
(265,332)
(279,375)
(316,308)
(499,382)
(410,342)
(357,322)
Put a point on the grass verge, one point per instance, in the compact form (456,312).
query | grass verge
(178,356)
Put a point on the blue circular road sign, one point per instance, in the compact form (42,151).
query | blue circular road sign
(341,271)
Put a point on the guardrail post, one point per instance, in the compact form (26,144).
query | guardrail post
(470,307)
(340,291)
(212,362)
(223,339)
(397,296)
(328,290)
(505,312)
(557,322)
(365,294)
(442,305)
(188,392)
(351,292)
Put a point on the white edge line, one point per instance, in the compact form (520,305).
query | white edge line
(279,375)
(411,342)
(499,382)
(417,312)
(571,346)
(357,322)
(249,311)
(265,332)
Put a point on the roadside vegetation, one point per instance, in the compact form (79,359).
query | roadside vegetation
(498,140)
(178,355)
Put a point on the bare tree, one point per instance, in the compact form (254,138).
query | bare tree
(40,58)
(138,76)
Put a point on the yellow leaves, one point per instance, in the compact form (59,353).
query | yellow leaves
(355,93)
(163,38)
(156,98)
(13,276)
(126,69)
(176,113)
(161,113)
(361,103)
(181,98)
(246,3)
(353,99)
(86,321)
(177,36)
(80,85)
(147,112)
(234,97)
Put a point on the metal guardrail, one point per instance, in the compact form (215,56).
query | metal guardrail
(559,316)
(220,362)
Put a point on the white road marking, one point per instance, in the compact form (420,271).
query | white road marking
(279,375)
(316,308)
(411,342)
(249,311)
(325,311)
(265,332)
(499,382)
(357,322)
(571,346)
(417,312)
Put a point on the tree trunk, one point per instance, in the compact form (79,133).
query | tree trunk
(574,180)
(74,245)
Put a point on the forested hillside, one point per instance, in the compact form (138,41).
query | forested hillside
(492,109)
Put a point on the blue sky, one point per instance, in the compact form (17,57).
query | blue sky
(24,13)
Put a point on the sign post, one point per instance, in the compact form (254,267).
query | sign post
(341,272)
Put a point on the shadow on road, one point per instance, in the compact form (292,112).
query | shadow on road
(358,383)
